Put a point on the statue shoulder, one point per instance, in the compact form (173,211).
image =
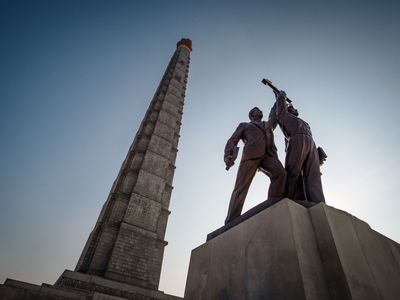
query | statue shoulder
(241,127)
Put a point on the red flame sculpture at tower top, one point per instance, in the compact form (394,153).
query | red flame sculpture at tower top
(186,43)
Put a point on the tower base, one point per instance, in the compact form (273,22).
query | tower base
(79,286)
(288,251)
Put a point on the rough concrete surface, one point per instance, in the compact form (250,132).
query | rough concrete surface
(288,251)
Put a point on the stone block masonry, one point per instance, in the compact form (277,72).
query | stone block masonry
(127,243)
(123,255)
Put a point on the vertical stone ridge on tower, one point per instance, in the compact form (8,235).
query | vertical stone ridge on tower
(127,242)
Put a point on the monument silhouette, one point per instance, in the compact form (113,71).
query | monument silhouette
(282,249)
(122,257)
(297,248)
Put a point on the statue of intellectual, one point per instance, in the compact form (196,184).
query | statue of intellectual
(303,159)
(259,153)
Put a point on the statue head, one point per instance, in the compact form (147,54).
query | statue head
(255,114)
(292,110)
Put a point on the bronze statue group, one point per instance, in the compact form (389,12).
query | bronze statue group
(300,179)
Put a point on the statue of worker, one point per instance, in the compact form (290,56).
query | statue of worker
(259,153)
(303,159)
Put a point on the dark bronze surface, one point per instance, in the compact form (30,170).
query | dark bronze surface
(259,153)
(299,180)
(302,163)
(274,88)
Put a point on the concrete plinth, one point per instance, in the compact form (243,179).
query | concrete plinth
(288,251)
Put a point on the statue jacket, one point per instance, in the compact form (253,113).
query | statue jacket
(289,123)
(258,139)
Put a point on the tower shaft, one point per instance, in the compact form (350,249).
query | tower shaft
(127,242)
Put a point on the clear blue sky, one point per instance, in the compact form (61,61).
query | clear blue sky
(77,76)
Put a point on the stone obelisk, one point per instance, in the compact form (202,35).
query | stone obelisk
(127,242)
(122,257)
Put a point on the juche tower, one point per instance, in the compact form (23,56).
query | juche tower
(123,255)
(127,242)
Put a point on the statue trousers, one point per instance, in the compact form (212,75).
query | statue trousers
(269,165)
(302,162)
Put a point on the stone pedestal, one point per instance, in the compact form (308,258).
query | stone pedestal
(288,251)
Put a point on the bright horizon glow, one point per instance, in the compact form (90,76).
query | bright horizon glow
(77,77)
